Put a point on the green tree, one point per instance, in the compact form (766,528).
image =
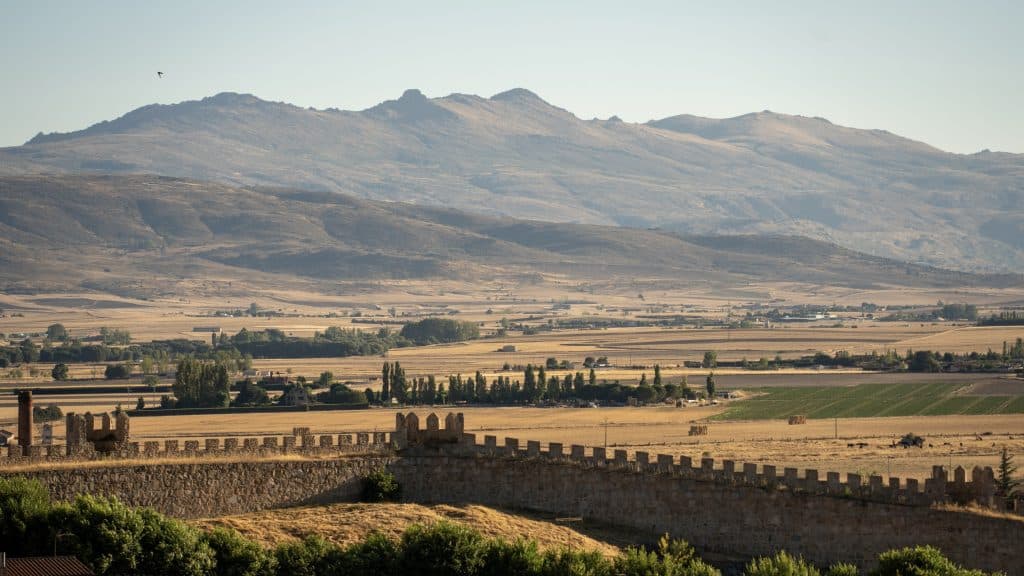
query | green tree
(57,332)
(921,560)
(710,359)
(24,505)
(657,375)
(710,384)
(325,379)
(1005,480)
(116,371)
(201,384)
(385,391)
(592,379)
(60,371)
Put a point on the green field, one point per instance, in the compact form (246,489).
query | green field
(869,400)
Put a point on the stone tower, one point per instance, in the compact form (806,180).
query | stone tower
(25,420)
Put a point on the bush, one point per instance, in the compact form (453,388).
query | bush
(116,371)
(236,555)
(782,564)
(311,556)
(24,505)
(377,554)
(919,561)
(115,539)
(501,558)
(842,569)
(442,549)
(381,486)
(670,558)
(60,371)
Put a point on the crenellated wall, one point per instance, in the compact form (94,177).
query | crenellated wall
(747,509)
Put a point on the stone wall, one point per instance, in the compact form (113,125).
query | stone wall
(714,515)
(203,489)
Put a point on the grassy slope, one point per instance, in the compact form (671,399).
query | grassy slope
(348,523)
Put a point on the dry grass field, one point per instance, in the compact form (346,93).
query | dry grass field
(653,429)
(348,523)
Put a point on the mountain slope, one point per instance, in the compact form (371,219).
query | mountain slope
(516,155)
(146,234)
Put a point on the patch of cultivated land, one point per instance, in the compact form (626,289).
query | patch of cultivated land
(865,400)
(349,523)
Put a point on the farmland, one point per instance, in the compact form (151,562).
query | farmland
(872,400)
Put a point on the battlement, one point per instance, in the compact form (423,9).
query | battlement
(409,434)
(322,445)
(979,489)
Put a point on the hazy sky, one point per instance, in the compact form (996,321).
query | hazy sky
(948,73)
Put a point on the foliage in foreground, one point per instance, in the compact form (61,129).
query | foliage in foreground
(115,539)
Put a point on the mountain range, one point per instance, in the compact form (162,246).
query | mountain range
(146,236)
(515,155)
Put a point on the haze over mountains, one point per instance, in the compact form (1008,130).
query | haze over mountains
(146,236)
(516,155)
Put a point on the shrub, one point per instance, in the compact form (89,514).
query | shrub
(782,564)
(115,371)
(116,539)
(236,555)
(919,561)
(670,558)
(441,549)
(501,558)
(377,554)
(842,569)
(311,556)
(381,486)
(24,505)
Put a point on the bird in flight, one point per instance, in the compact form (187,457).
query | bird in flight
(159,74)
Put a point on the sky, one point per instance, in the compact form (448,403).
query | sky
(947,73)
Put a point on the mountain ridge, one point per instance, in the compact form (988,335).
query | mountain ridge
(516,155)
(143,235)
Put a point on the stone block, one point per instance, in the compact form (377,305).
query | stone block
(621,459)
(750,472)
(308,441)
(686,466)
(171,446)
(231,444)
(729,469)
(270,442)
(344,439)
(362,438)
(707,466)
(326,441)
(665,463)
(250,444)
(643,461)
(532,448)
(555,450)
(768,473)
(853,482)
(191,446)
(288,442)
(212,444)
(150,448)
(894,484)
(379,438)
(511,446)
(54,452)
(875,485)
(600,457)
(811,482)
(790,479)
(577,452)
(491,442)
(834,484)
